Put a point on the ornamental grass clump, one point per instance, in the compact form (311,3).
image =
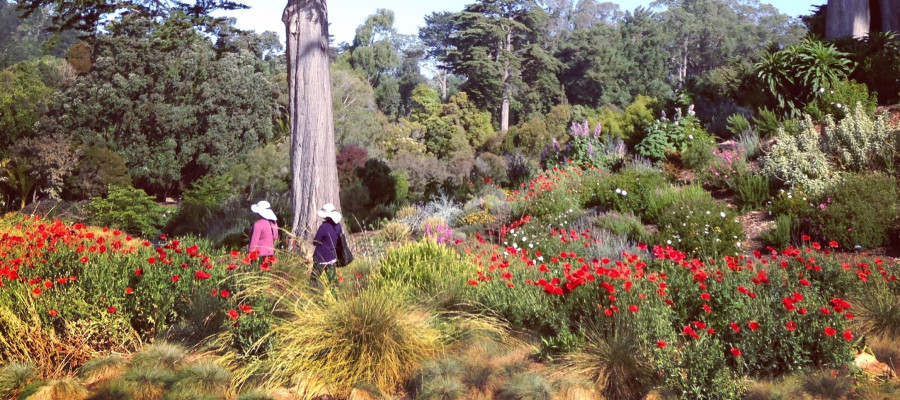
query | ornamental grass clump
(427,272)
(395,232)
(14,377)
(373,337)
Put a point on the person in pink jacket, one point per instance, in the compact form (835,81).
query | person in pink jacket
(264,233)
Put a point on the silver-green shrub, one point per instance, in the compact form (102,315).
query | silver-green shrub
(860,142)
(799,160)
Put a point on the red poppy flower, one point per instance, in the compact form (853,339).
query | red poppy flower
(233,314)
(225,294)
(139,272)
(175,278)
(473,282)
(753,325)
(824,310)
(735,327)
(704,296)
(633,308)
(804,282)
(151,260)
(201,275)
(805,238)
(48,284)
(84,259)
(510,284)
(51,312)
(791,325)
(847,335)
(660,344)
(735,352)
(247,309)
(111,310)
(36,291)
(129,290)
(830,331)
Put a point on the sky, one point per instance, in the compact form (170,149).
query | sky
(346,15)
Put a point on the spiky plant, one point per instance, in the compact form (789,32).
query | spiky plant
(877,312)
(828,384)
(204,378)
(442,388)
(60,389)
(102,369)
(781,389)
(371,337)
(395,231)
(531,386)
(148,383)
(14,377)
(163,356)
(116,389)
(616,362)
(887,351)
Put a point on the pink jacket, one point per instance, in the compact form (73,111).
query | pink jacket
(263,237)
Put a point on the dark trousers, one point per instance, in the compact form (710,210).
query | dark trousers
(319,269)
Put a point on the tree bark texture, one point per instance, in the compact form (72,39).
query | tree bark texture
(847,18)
(504,106)
(889,11)
(314,179)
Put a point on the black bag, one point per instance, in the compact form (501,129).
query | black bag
(344,255)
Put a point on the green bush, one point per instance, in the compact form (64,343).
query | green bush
(860,142)
(799,160)
(700,226)
(767,123)
(664,136)
(427,271)
(779,237)
(206,196)
(627,191)
(838,100)
(858,210)
(98,168)
(751,191)
(738,124)
(625,224)
(376,176)
(130,209)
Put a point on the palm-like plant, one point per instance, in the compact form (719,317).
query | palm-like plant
(15,180)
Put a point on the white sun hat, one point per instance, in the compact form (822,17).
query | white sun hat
(328,211)
(264,209)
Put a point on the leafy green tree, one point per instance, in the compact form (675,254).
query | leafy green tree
(357,119)
(128,208)
(97,169)
(485,47)
(24,39)
(159,95)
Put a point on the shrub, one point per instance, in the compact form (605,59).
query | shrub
(206,196)
(738,124)
(14,377)
(627,191)
(479,218)
(839,99)
(858,210)
(799,160)
(767,123)
(700,225)
(665,137)
(877,312)
(375,175)
(829,384)
(625,224)
(395,232)
(779,237)
(97,169)
(698,153)
(619,363)
(518,169)
(751,191)
(428,271)
(349,159)
(130,209)
(526,386)
(860,142)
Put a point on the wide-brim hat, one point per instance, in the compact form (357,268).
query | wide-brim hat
(264,209)
(328,211)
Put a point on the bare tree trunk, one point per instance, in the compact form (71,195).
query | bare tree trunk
(504,106)
(847,18)
(313,165)
(888,15)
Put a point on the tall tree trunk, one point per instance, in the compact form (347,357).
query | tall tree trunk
(313,164)
(504,106)
(887,15)
(847,18)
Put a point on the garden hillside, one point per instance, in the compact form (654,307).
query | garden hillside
(695,200)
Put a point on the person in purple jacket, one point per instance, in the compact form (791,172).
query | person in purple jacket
(325,254)
(264,233)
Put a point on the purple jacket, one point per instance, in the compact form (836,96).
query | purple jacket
(326,242)
(263,237)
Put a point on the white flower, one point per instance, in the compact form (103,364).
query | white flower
(790,197)
(618,191)
(541,258)
(722,214)
(691,137)
(739,244)
(821,90)
(624,193)
(707,213)
(838,105)
(530,245)
(668,242)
